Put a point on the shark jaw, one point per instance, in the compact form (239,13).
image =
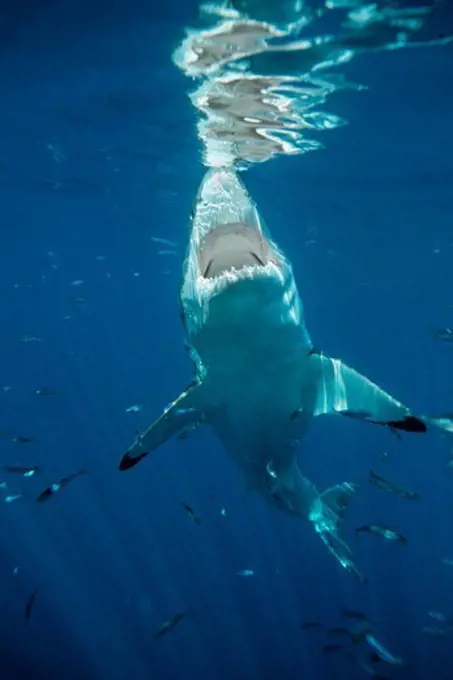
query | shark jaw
(230,247)
(221,274)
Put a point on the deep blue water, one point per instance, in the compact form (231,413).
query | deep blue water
(98,153)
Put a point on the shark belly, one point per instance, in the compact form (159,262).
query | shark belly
(255,425)
(254,379)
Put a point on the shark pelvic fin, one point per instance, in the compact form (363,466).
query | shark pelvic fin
(343,390)
(327,513)
(180,416)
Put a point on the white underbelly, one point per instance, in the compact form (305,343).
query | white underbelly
(259,419)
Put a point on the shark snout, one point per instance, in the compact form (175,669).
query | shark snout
(231,246)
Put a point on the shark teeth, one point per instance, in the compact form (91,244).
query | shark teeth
(213,286)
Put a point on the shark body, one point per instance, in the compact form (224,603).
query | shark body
(259,380)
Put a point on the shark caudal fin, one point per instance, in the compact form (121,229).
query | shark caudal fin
(327,513)
(294,493)
(342,390)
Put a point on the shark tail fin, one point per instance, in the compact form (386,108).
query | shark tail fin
(327,514)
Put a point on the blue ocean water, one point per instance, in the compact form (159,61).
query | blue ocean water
(99,153)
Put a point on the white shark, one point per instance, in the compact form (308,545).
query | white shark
(259,380)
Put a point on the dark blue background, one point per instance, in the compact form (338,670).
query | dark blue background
(98,153)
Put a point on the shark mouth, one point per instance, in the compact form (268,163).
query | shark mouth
(232,247)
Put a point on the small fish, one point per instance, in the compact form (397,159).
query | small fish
(339,631)
(386,485)
(167,252)
(164,241)
(435,630)
(54,488)
(30,603)
(135,408)
(46,392)
(184,411)
(448,561)
(77,283)
(11,499)
(30,338)
(444,334)
(22,440)
(18,470)
(168,625)
(438,616)
(383,653)
(368,667)
(245,572)
(188,430)
(385,532)
(354,614)
(191,513)
(309,625)
(223,511)
(330,649)
(3,485)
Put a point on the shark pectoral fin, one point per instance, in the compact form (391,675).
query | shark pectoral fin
(327,513)
(343,390)
(186,411)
